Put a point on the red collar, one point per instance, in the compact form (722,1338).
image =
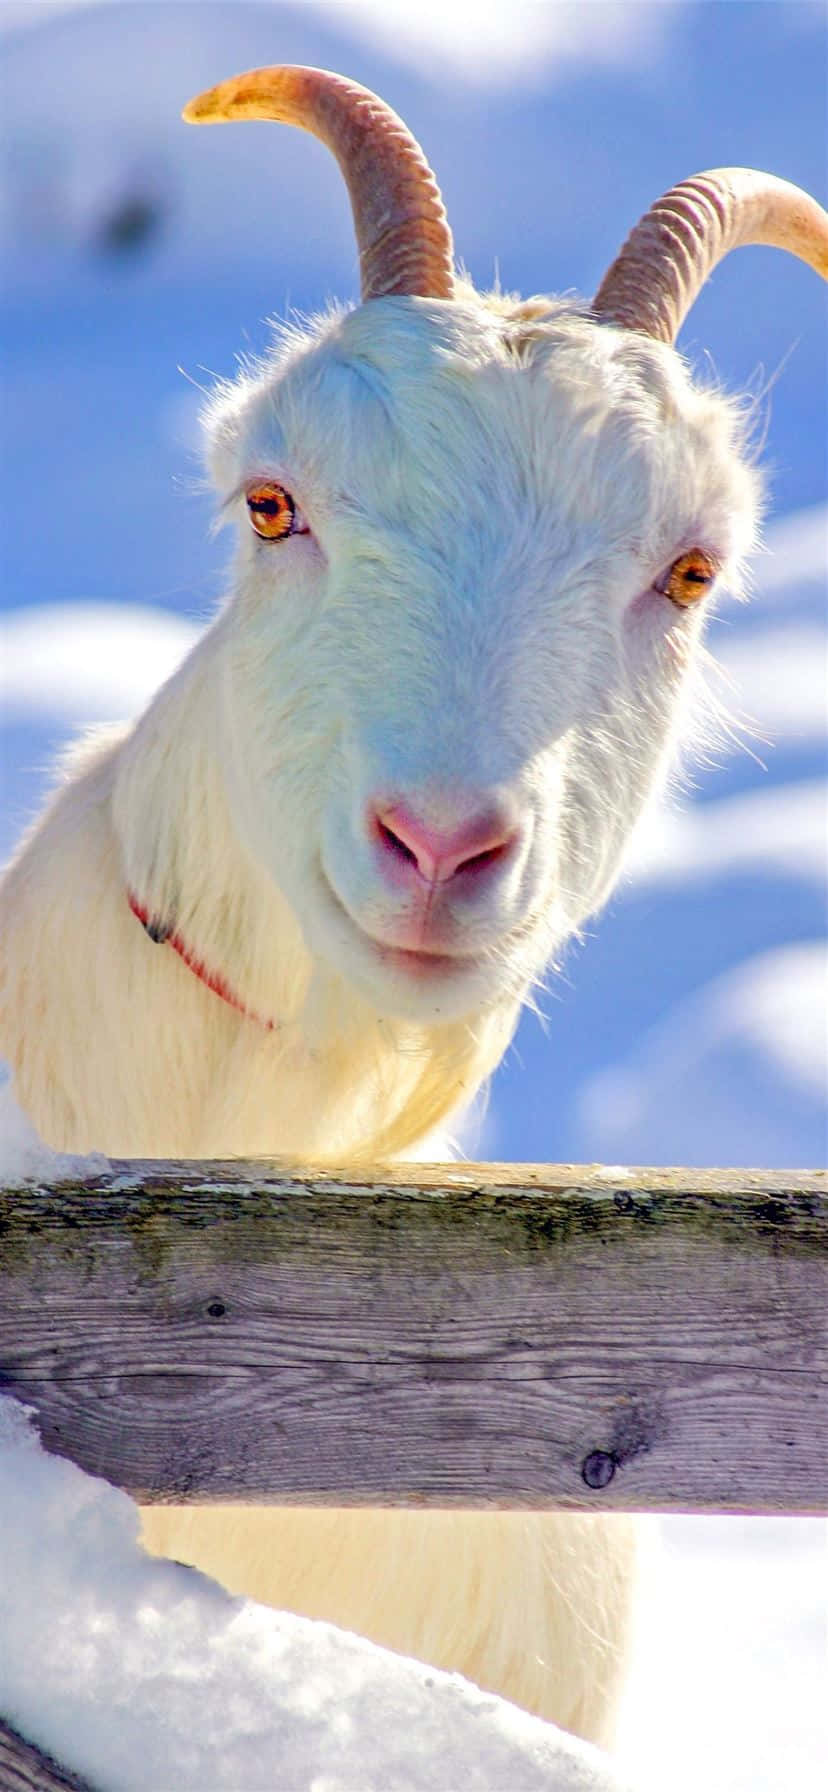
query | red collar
(213,979)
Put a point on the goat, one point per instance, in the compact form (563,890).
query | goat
(308,891)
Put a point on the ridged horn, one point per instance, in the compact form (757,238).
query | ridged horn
(668,256)
(402,231)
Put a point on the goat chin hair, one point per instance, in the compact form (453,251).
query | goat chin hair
(304,897)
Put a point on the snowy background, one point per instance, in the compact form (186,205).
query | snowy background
(139,257)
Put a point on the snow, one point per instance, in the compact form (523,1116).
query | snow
(731,1659)
(88,663)
(473,42)
(495,43)
(760,1025)
(780,672)
(766,832)
(140,1673)
(796,554)
(23,1155)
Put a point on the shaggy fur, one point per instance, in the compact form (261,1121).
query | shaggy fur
(494,491)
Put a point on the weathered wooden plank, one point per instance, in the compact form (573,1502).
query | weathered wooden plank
(472,1334)
(24,1768)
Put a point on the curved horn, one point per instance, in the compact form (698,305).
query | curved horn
(401,227)
(668,256)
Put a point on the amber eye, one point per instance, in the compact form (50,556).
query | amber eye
(271,509)
(689,578)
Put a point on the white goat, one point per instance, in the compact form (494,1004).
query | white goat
(306,894)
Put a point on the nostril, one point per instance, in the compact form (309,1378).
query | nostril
(394,844)
(480,861)
(473,845)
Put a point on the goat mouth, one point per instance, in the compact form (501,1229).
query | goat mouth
(420,963)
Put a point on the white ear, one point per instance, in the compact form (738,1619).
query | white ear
(222,421)
(168,825)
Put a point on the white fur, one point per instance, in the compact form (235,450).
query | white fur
(493,488)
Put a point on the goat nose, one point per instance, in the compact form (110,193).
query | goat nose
(480,840)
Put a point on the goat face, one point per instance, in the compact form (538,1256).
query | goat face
(452,666)
(461,636)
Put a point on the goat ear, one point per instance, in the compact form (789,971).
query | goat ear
(159,856)
(221,425)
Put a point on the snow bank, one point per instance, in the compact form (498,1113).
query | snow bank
(772,681)
(477,43)
(144,1675)
(82,663)
(795,554)
(497,45)
(23,1155)
(781,831)
(731,1658)
(748,1053)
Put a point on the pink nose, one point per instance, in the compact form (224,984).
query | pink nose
(476,843)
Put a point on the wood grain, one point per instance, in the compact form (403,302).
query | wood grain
(23,1768)
(472,1334)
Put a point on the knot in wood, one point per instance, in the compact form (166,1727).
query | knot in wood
(598,1468)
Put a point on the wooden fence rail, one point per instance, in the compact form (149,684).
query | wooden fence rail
(467,1334)
(26,1768)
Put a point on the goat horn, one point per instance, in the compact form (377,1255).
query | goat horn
(403,235)
(668,256)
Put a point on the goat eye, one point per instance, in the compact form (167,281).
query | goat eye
(271,510)
(689,578)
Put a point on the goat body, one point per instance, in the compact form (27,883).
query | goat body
(306,894)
